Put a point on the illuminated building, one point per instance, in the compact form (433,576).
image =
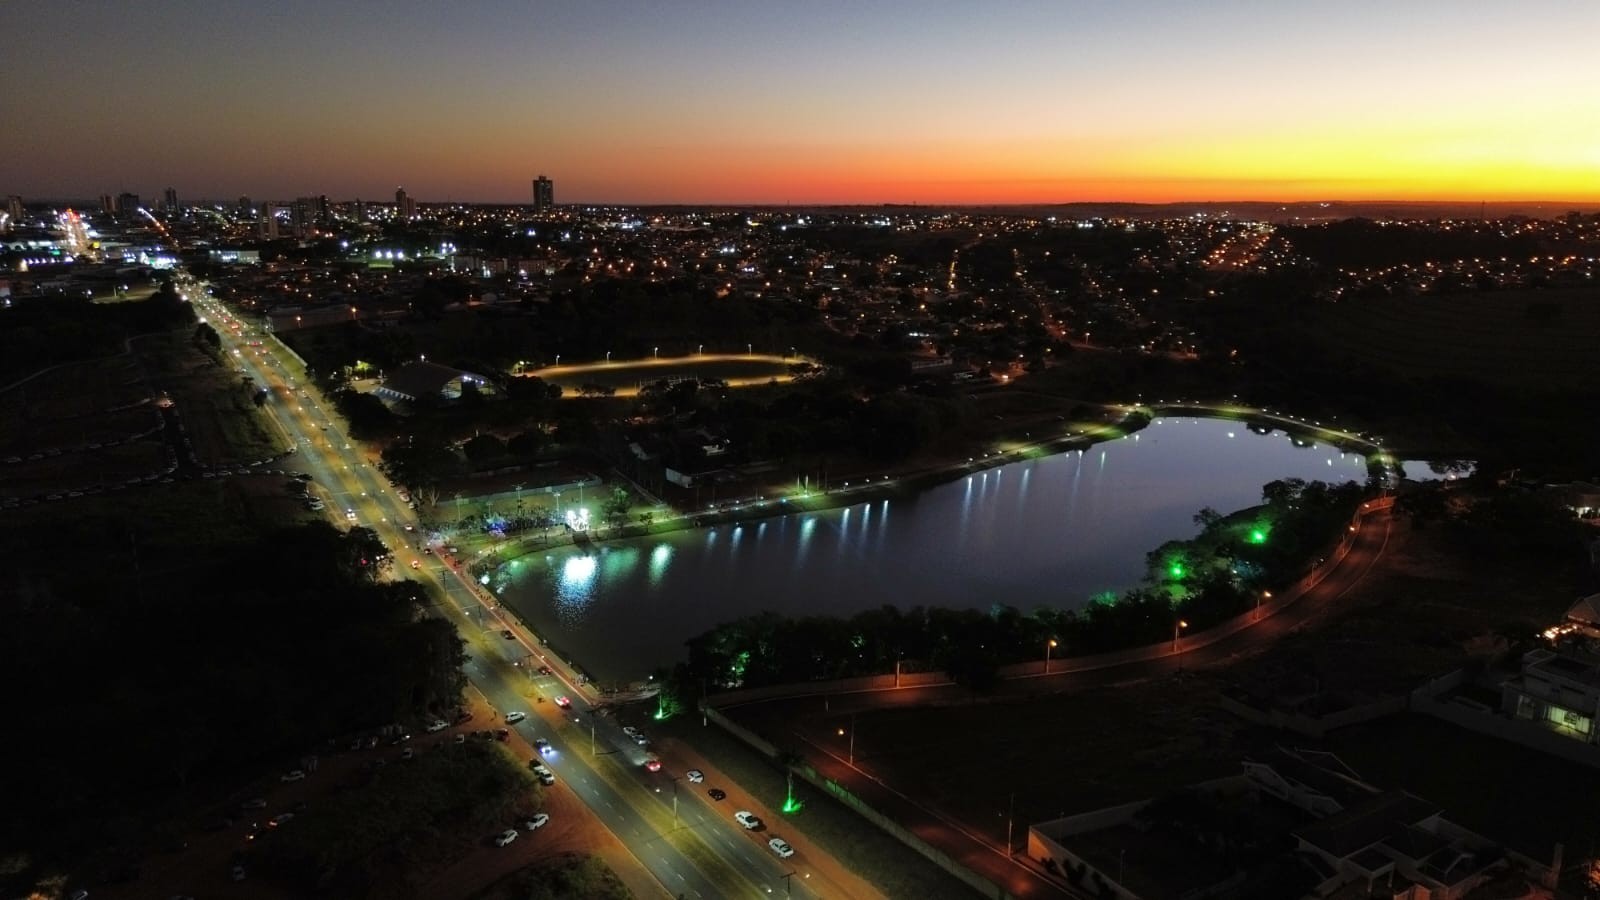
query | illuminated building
(544,194)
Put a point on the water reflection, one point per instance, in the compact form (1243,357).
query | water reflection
(1056,533)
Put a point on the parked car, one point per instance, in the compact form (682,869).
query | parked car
(717,794)
(781,847)
(437,725)
(749,820)
(546,777)
(651,764)
(502,734)
(505,837)
(537,822)
(695,775)
(293,775)
(513,718)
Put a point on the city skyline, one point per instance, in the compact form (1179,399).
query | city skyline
(718,103)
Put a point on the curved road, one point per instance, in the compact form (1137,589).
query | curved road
(780,718)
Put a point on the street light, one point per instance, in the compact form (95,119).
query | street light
(1177,628)
(608,356)
(1264,595)
(1049,645)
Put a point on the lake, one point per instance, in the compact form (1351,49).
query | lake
(1049,531)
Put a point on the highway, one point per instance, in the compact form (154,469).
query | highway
(691,846)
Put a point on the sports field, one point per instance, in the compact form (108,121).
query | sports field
(626,376)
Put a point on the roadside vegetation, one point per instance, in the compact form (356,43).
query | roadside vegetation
(394,826)
(214,644)
(568,876)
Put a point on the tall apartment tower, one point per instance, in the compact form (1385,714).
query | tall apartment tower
(544,194)
(170,198)
(404,206)
(128,205)
(108,204)
(14,210)
(269,221)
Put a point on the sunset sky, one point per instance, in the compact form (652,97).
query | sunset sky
(744,101)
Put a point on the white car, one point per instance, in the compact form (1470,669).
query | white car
(437,725)
(749,820)
(546,777)
(350,514)
(781,847)
(695,775)
(513,718)
(537,822)
(295,775)
(505,837)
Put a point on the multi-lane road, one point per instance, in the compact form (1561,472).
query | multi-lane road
(690,844)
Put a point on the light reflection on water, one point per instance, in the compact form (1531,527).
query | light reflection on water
(1053,533)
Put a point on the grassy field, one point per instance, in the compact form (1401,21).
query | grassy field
(627,375)
(1541,338)
(91,402)
(888,864)
(222,421)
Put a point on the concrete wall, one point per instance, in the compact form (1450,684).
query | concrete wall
(1314,726)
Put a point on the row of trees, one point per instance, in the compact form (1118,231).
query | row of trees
(1206,588)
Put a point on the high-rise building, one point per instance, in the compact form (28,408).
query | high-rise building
(170,198)
(108,204)
(361,210)
(544,194)
(14,210)
(404,206)
(128,205)
(309,214)
(245,207)
(269,221)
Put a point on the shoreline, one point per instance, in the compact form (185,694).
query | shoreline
(1134,419)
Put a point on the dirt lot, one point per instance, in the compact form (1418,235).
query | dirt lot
(71,472)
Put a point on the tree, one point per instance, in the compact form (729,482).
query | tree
(616,507)
(367,415)
(484,448)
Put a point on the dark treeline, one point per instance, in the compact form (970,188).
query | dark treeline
(1221,573)
(35,333)
(201,671)
(1363,243)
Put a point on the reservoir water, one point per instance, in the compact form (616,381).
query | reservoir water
(1050,531)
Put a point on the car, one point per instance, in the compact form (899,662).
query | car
(695,775)
(407,753)
(506,633)
(257,803)
(537,822)
(437,725)
(543,746)
(416,564)
(543,771)
(563,702)
(238,873)
(545,670)
(749,820)
(279,819)
(461,738)
(781,847)
(502,734)
(301,476)
(505,837)
(513,718)
(293,775)
(463,715)
(409,527)
(651,764)
(350,515)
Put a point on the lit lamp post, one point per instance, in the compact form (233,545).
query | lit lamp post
(1177,628)
(1048,646)
(608,356)
(656,353)
(852,733)
(1265,595)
